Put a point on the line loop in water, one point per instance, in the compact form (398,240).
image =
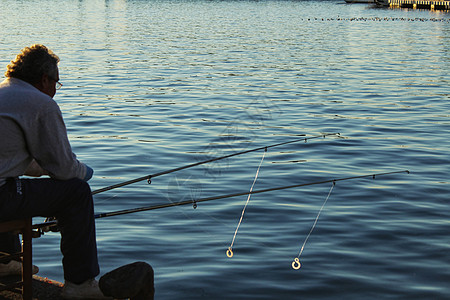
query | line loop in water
(230,252)
(296,264)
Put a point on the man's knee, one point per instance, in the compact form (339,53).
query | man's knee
(77,200)
(79,187)
(77,195)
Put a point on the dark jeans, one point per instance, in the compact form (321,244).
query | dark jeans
(70,201)
(9,243)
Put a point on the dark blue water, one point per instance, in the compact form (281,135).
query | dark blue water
(154,85)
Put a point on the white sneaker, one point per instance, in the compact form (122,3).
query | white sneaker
(86,290)
(14,267)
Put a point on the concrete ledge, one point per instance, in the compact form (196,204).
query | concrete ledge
(43,289)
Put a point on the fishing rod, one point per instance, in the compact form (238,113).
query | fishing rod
(194,202)
(149,177)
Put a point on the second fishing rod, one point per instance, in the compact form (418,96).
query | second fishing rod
(149,177)
(194,202)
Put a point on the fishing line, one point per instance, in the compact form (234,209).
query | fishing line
(296,263)
(100,201)
(194,192)
(230,249)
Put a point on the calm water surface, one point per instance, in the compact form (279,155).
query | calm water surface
(154,85)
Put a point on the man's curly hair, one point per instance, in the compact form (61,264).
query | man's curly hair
(32,63)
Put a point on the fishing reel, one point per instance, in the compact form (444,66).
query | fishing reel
(52,225)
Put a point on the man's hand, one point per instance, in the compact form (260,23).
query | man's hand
(35,170)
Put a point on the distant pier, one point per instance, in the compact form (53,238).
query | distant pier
(417,4)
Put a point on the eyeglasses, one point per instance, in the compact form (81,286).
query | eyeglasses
(58,84)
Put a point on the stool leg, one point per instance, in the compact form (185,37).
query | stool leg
(27,263)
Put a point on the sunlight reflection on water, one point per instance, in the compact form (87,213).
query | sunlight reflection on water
(153,85)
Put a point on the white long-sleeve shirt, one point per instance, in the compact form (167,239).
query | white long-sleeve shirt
(32,127)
